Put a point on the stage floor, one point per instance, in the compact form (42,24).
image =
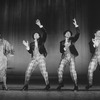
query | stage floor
(36,92)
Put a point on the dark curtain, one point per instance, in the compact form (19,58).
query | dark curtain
(17,23)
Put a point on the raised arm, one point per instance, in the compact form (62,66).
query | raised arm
(44,36)
(75,38)
(28,47)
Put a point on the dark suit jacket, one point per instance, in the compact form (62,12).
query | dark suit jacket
(41,46)
(71,47)
(92,49)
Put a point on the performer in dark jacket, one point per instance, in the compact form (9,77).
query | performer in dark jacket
(38,54)
(94,45)
(69,53)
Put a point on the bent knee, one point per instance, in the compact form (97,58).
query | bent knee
(90,71)
(45,73)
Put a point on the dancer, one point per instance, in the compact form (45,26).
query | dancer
(5,50)
(95,50)
(38,54)
(69,53)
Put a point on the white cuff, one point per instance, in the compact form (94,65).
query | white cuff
(27,48)
(64,49)
(76,25)
(41,26)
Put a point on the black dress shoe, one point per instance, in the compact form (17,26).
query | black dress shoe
(4,88)
(60,86)
(47,87)
(88,86)
(25,88)
(75,88)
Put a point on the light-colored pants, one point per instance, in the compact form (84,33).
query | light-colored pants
(67,60)
(92,67)
(39,61)
(3,70)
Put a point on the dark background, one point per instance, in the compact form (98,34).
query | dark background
(17,23)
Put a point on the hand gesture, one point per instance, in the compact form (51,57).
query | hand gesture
(75,23)
(39,23)
(26,43)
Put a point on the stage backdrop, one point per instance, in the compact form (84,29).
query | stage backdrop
(17,23)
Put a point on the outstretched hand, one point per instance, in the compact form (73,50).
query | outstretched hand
(25,43)
(39,23)
(75,23)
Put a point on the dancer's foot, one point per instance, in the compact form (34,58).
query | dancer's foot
(25,88)
(88,86)
(47,87)
(60,86)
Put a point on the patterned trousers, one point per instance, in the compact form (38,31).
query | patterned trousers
(67,60)
(92,67)
(39,61)
(3,70)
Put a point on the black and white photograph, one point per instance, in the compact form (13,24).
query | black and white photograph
(49,50)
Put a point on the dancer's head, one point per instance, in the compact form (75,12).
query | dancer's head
(67,34)
(36,35)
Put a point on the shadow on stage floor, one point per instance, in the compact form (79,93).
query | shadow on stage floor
(37,92)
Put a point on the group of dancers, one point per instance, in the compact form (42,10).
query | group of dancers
(38,54)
